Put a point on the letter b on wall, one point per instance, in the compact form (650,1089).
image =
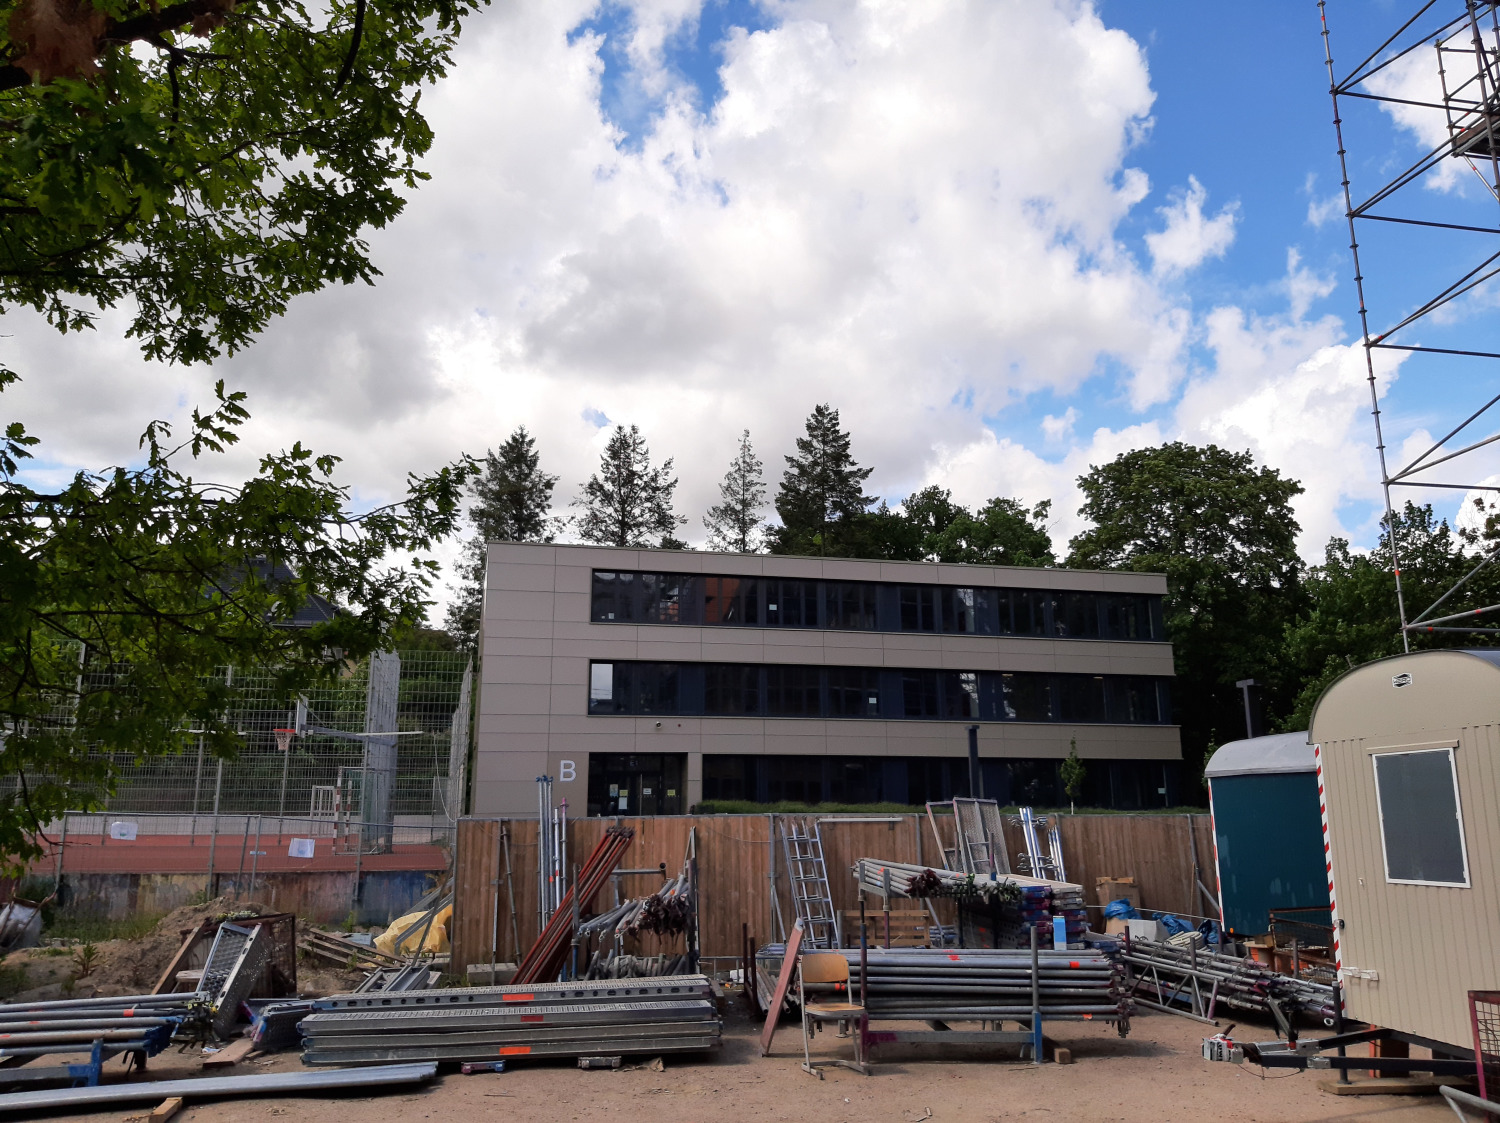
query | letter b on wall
(566,771)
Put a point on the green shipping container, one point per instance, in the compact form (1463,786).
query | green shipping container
(1268,831)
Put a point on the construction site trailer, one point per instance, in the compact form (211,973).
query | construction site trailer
(1268,833)
(1408,752)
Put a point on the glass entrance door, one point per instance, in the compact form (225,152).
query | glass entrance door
(636,783)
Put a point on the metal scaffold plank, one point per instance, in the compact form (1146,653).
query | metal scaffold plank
(262,1084)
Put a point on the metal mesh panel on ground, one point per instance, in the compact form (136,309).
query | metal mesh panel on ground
(321,774)
(1484,1011)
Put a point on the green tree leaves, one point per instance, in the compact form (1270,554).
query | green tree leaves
(734,522)
(200,160)
(124,594)
(513,503)
(822,491)
(628,502)
(1351,615)
(1002,532)
(1223,532)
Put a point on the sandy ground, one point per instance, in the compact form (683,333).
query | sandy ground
(1153,1075)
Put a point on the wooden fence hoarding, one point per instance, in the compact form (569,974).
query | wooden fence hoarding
(738,855)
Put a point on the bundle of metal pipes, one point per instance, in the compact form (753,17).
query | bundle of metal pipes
(871,874)
(1029,901)
(989,984)
(552,850)
(625,919)
(544,962)
(142,1024)
(634,1016)
(1195,981)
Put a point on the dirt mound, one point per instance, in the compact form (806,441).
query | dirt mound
(118,966)
(133,966)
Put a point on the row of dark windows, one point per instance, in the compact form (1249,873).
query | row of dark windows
(1127,785)
(759,690)
(872,606)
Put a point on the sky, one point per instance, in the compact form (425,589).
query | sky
(1007,239)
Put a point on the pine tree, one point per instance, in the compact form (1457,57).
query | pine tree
(513,498)
(628,502)
(822,488)
(734,524)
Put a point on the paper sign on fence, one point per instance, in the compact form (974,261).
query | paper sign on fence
(301,848)
(125,832)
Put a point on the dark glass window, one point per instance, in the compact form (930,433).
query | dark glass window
(1080,698)
(738,689)
(961,695)
(797,779)
(1076,615)
(665,598)
(730,688)
(1127,616)
(1028,611)
(918,611)
(850,604)
(614,596)
(1134,699)
(1420,823)
(921,693)
(793,692)
(1025,697)
(853,692)
(791,604)
(731,600)
(960,611)
(653,687)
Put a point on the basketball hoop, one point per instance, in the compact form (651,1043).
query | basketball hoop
(284,738)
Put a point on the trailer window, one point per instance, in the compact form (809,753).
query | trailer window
(1421,825)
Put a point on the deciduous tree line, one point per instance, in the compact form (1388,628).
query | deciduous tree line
(1240,602)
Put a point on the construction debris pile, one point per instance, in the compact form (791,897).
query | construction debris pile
(1196,981)
(141,1025)
(635,1016)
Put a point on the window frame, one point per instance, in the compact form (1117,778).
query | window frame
(1458,813)
(654,598)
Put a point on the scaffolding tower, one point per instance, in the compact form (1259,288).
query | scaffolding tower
(1436,70)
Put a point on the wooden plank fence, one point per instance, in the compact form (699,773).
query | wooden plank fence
(495,916)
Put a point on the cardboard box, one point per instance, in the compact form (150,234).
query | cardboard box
(1116,927)
(1116,888)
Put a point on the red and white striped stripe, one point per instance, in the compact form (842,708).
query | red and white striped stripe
(1338,959)
(1213,830)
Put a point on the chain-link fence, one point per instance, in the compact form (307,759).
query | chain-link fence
(387,743)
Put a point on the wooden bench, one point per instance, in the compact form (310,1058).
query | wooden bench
(910,928)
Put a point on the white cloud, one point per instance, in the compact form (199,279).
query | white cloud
(993,465)
(1059,428)
(1414,79)
(1290,391)
(1320,212)
(911,211)
(1302,286)
(1189,238)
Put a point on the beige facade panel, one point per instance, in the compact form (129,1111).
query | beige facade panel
(1410,952)
(538,642)
(831,569)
